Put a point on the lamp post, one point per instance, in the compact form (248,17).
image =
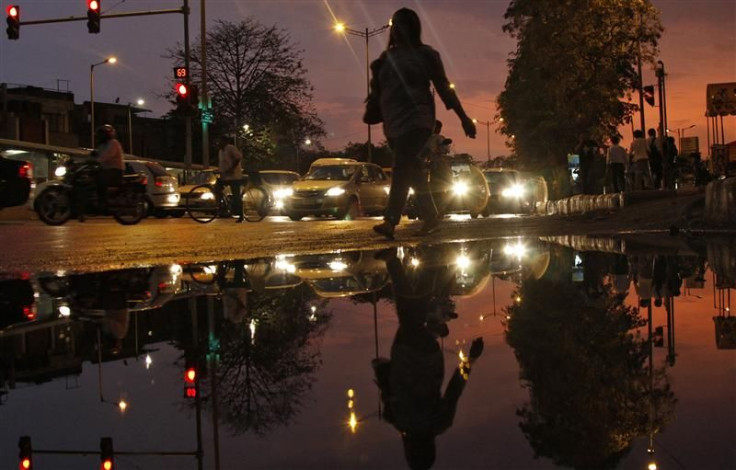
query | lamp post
(139,102)
(109,60)
(488,137)
(367,34)
(307,142)
(681,134)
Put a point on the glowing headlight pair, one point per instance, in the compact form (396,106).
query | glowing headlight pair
(283,193)
(513,191)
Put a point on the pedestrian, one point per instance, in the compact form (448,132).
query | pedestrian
(654,147)
(401,86)
(639,154)
(231,174)
(669,162)
(616,160)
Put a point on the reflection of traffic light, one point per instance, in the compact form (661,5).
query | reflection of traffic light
(649,94)
(25,453)
(107,454)
(190,380)
(93,16)
(13,21)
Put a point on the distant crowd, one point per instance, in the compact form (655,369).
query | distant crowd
(649,163)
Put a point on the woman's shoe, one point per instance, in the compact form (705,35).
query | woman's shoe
(386,229)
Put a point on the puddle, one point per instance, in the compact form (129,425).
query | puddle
(595,353)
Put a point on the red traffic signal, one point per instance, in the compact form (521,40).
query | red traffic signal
(93,16)
(182,92)
(13,20)
(190,382)
(25,453)
(107,454)
(190,375)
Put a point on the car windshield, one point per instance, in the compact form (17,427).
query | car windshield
(331,172)
(157,169)
(500,177)
(278,179)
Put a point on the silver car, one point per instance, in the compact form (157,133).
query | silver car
(339,187)
(162,189)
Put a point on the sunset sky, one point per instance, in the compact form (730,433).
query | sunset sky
(698,47)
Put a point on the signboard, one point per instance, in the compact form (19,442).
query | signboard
(720,99)
(689,145)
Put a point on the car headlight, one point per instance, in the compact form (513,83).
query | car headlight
(208,196)
(513,191)
(460,188)
(60,171)
(336,191)
(283,193)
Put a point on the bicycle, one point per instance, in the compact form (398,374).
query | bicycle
(208,201)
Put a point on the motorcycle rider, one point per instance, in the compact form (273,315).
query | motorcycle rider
(109,154)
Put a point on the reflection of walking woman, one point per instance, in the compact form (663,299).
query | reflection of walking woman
(403,74)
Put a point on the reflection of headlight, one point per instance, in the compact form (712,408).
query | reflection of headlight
(336,191)
(460,188)
(338,266)
(207,196)
(285,265)
(60,171)
(513,191)
(388,189)
(283,193)
(518,250)
(411,191)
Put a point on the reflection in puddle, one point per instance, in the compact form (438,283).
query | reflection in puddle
(592,347)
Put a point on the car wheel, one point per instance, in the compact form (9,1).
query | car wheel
(351,210)
(295,217)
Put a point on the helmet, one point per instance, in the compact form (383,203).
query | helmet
(105,132)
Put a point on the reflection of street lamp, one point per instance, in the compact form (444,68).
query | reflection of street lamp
(109,60)
(367,34)
(139,103)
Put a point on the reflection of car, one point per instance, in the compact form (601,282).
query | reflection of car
(15,182)
(162,189)
(507,191)
(342,274)
(339,187)
(278,185)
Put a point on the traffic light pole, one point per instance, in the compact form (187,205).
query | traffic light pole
(188,118)
(183,9)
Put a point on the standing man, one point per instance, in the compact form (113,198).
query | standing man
(616,160)
(231,174)
(655,158)
(639,153)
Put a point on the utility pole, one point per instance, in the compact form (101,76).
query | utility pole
(188,118)
(204,96)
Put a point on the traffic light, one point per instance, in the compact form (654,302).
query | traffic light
(25,453)
(649,94)
(187,97)
(93,16)
(190,381)
(13,20)
(182,95)
(107,454)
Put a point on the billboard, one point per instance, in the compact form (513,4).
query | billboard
(720,99)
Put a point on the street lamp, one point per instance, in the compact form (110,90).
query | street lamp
(681,133)
(488,136)
(138,103)
(109,60)
(367,34)
(307,142)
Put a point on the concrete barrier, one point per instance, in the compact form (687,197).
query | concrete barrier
(581,204)
(720,198)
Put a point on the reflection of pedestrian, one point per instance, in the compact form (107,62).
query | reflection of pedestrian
(231,174)
(403,74)
(616,160)
(411,381)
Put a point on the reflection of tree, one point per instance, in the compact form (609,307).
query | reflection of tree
(586,370)
(267,361)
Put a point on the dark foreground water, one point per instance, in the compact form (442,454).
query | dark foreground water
(594,353)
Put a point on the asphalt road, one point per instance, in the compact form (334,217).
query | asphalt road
(101,244)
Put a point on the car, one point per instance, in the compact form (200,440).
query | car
(506,191)
(196,178)
(343,188)
(467,192)
(16,181)
(162,189)
(278,184)
(513,191)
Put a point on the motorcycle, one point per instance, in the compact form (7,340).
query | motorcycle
(75,195)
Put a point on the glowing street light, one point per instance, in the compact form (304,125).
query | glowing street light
(367,34)
(109,60)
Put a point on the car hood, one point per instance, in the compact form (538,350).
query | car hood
(317,185)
